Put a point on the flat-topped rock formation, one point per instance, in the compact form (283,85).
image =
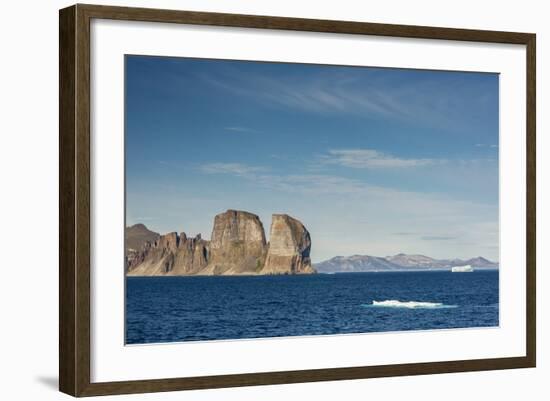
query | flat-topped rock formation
(289,247)
(237,247)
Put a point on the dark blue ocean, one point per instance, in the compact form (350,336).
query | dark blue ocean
(167,309)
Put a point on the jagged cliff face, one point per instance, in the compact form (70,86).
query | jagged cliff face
(171,254)
(289,247)
(237,246)
(192,255)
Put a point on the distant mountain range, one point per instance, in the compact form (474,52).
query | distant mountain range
(399,262)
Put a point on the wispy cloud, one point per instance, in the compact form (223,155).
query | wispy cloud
(437,238)
(143,218)
(326,185)
(370,158)
(303,183)
(320,94)
(359,92)
(355,216)
(238,169)
(241,129)
(314,184)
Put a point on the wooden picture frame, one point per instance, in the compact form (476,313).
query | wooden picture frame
(74,200)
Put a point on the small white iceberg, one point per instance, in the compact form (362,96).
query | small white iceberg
(462,269)
(393,303)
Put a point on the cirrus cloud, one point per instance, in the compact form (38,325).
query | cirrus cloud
(370,158)
(238,169)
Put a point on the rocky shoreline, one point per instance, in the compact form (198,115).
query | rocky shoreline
(237,246)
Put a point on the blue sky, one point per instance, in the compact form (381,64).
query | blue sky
(372,161)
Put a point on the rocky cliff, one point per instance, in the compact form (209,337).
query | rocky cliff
(171,254)
(289,247)
(136,237)
(237,246)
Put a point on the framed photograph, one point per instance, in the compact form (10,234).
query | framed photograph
(250,200)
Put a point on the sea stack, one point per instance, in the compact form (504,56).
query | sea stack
(289,247)
(237,245)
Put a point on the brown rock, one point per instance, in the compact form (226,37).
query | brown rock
(137,236)
(237,245)
(191,256)
(289,247)
(136,257)
(156,258)
(171,254)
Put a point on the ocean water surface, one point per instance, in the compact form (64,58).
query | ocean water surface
(171,309)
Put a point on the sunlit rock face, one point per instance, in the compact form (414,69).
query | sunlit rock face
(237,245)
(289,247)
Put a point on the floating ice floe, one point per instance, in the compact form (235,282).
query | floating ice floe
(393,303)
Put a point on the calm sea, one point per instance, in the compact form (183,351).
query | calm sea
(167,309)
